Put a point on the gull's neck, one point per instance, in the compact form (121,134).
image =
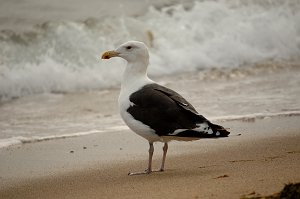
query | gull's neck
(135,75)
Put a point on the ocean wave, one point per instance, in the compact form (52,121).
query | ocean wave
(64,56)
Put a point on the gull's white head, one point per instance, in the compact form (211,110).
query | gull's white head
(132,51)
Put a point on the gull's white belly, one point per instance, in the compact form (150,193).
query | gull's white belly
(136,126)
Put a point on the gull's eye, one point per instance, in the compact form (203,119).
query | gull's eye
(128,47)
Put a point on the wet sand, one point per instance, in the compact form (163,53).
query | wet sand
(259,161)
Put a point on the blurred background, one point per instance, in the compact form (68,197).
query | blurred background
(55,46)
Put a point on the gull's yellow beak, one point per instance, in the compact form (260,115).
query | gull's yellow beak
(109,54)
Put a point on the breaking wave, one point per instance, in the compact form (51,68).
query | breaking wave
(64,56)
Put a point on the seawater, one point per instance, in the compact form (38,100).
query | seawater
(54,85)
(64,55)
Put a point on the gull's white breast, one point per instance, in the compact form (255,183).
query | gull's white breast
(124,103)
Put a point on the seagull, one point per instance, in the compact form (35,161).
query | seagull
(153,111)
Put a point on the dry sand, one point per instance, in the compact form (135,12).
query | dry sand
(260,161)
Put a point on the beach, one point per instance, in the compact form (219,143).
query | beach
(61,135)
(259,157)
(260,161)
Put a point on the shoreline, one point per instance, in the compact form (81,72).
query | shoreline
(261,160)
(9,142)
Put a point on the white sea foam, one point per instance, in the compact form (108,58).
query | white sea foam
(65,56)
(252,117)
(22,140)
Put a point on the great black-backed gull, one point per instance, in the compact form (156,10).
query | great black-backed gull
(155,112)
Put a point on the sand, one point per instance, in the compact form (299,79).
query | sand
(261,155)
(258,162)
